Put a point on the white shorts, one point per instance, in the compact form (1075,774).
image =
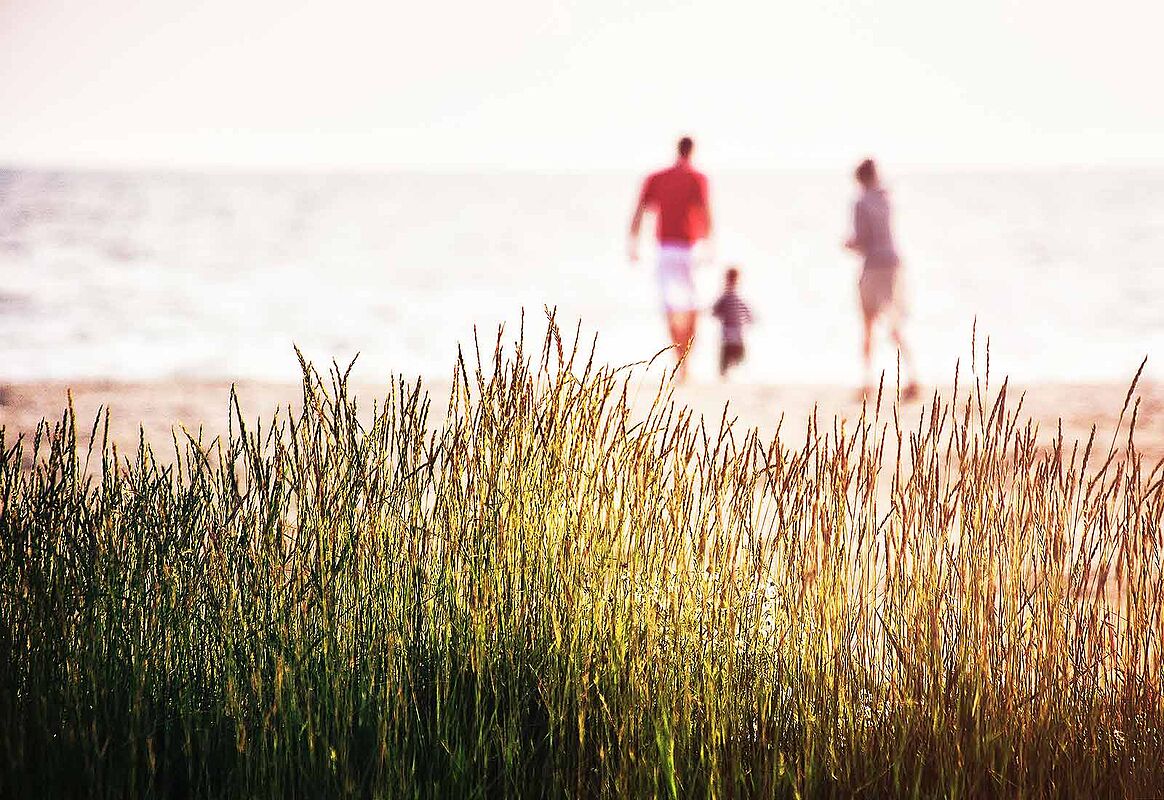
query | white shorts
(676,284)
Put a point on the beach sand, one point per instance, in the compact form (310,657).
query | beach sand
(163,406)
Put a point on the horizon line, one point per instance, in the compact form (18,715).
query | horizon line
(450,169)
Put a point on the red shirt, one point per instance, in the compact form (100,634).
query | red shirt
(678,196)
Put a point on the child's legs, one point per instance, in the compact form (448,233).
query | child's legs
(730,354)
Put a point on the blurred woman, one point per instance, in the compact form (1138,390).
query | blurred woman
(879,286)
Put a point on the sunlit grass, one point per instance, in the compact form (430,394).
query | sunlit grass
(555,592)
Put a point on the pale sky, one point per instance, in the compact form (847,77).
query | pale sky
(551,85)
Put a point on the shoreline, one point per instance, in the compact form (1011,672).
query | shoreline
(162,406)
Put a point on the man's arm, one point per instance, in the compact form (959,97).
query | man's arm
(702,208)
(705,202)
(637,220)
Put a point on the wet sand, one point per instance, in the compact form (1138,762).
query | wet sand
(164,406)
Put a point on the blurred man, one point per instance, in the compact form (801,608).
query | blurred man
(879,286)
(678,197)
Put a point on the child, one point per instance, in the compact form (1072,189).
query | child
(733,313)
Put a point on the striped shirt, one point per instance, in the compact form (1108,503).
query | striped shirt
(733,314)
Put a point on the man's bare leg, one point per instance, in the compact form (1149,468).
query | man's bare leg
(675,331)
(681,325)
(689,337)
(689,332)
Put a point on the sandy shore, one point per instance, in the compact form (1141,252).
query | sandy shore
(160,406)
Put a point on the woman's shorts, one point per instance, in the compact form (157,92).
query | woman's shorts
(879,288)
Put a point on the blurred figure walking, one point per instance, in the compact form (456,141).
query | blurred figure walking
(678,196)
(733,314)
(879,286)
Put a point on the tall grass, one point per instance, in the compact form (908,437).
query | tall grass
(549,593)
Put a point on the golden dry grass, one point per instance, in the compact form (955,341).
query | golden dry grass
(549,593)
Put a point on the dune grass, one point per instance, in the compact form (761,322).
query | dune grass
(549,593)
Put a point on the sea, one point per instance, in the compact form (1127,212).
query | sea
(177,275)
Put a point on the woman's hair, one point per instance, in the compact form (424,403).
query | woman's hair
(866,172)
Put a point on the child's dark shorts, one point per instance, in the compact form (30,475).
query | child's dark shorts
(730,354)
